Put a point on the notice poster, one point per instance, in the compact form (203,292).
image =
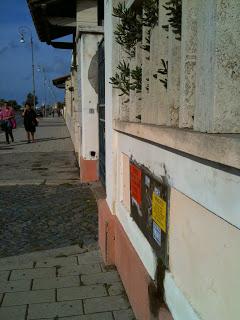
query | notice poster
(159,211)
(156,233)
(149,207)
(136,183)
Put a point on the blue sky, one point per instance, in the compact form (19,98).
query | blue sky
(15,57)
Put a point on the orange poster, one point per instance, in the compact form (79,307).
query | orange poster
(136,183)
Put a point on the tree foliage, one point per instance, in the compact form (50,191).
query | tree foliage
(129,30)
(30,99)
(174,8)
(121,80)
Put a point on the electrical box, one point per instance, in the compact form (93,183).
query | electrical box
(149,207)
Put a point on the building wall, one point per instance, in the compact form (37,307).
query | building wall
(69,114)
(203,234)
(88,89)
(81,110)
(110,134)
(204,204)
(202,247)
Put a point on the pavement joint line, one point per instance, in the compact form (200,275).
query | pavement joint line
(26,315)
(113,315)
(8,279)
(1,301)
(31,286)
(80,281)
(83,307)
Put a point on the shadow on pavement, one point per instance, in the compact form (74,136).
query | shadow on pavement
(23,142)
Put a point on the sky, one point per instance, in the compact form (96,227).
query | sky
(15,57)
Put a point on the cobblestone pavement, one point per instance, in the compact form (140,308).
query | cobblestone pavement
(41,217)
(42,203)
(68,283)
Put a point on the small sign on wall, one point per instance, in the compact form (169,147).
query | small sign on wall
(149,207)
(159,211)
(136,183)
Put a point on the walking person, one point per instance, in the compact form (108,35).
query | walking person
(30,122)
(7,116)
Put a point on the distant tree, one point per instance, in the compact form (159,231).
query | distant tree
(30,99)
(60,105)
(12,103)
(2,101)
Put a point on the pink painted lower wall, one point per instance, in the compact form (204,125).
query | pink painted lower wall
(88,170)
(118,250)
(106,232)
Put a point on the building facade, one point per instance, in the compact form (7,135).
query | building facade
(159,125)
(175,132)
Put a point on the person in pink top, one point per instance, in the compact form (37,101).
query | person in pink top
(6,115)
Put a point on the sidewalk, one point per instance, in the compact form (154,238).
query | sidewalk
(50,158)
(66,284)
(50,266)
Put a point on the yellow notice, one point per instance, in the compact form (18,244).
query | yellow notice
(159,211)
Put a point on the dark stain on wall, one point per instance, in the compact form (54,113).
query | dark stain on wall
(93,72)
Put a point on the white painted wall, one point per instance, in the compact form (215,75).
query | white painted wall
(198,236)
(178,304)
(69,111)
(87,59)
(215,192)
(204,260)
(218,76)
(110,134)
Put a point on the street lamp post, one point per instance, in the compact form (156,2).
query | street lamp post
(41,68)
(22,31)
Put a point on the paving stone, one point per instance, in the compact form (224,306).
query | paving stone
(57,309)
(124,315)
(57,282)
(98,278)
(105,304)
(43,255)
(4,275)
(62,252)
(115,289)
(33,273)
(95,316)
(13,313)
(77,270)
(28,297)
(14,286)
(81,292)
(5,265)
(90,257)
(61,261)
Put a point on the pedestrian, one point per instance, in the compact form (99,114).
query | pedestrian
(7,117)
(30,122)
(53,111)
